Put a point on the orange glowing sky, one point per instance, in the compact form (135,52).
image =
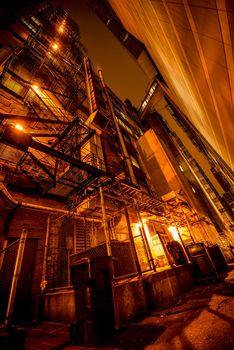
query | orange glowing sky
(120,70)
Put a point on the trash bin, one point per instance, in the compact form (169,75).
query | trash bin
(94,311)
(218,258)
(204,267)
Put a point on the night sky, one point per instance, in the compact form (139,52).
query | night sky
(120,70)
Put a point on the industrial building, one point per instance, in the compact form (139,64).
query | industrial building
(85,175)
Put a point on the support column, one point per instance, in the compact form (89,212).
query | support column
(149,254)
(105,225)
(16,274)
(43,276)
(132,241)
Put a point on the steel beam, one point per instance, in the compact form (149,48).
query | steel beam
(75,162)
(32,119)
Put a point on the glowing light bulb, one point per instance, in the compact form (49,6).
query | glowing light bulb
(19,127)
(61,29)
(55,46)
(35,87)
(174,233)
(181,168)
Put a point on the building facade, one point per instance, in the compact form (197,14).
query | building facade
(79,173)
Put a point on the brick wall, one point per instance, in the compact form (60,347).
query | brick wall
(35,222)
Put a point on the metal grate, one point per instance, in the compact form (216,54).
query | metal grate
(121,253)
(82,235)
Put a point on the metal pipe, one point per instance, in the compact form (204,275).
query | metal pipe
(16,274)
(182,242)
(86,62)
(43,277)
(55,210)
(145,239)
(2,253)
(131,238)
(105,225)
(41,207)
(165,249)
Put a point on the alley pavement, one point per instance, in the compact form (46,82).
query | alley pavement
(203,319)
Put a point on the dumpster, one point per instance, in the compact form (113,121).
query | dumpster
(94,310)
(204,267)
(218,258)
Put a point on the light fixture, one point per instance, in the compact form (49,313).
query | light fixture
(55,46)
(61,29)
(19,127)
(35,87)
(174,233)
(181,168)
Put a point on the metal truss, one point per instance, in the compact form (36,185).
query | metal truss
(66,166)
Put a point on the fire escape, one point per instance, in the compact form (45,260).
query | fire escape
(44,136)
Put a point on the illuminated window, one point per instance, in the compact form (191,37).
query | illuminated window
(14,86)
(34,19)
(32,27)
(135,162)
(125,126)
(148,96)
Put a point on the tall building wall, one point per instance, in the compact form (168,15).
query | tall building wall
(77,170)
(162,174)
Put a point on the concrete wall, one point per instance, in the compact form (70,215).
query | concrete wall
(59,306)
(131,299)
(159,289)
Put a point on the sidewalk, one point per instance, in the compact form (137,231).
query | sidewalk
(202,320)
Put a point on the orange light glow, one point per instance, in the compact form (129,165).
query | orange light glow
(61,29)
(55,46)
(174,233)
(19,127)
(181,168)
(35,87)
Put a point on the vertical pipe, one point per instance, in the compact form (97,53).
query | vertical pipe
(132,241)
(3,253)
(68,269)
(86,62)
(185,219)
(182,242)
(74,236)
(148,250)
(105,225)
(165,249)
(16,274)
(43,276)
(190,232)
